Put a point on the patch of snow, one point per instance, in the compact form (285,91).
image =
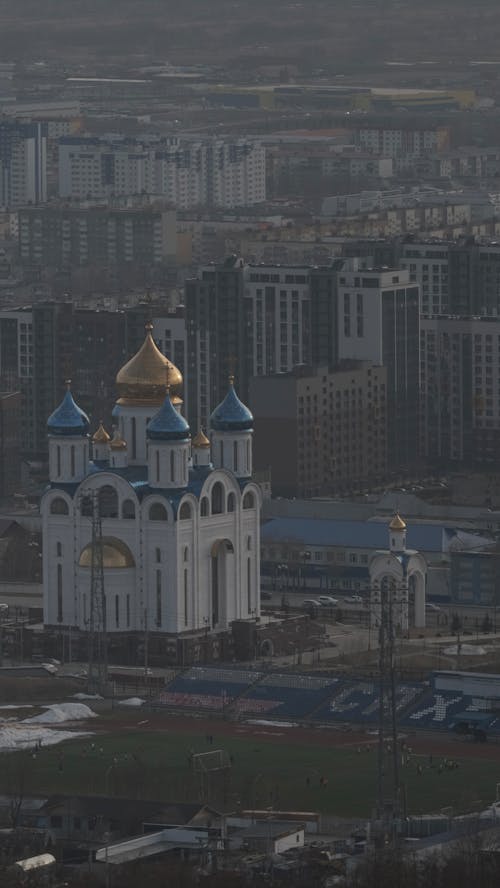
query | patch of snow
(17,706)
(132,701)
(272,724)
(468,650)
(17,736)
(82,696)
(61,712)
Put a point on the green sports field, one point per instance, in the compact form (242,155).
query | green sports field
(158,765)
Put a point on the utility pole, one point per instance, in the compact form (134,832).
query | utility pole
(146,641)
(98,643)
(388,784)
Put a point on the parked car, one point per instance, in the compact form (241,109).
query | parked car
(265,595)
(310,604)
(354,599)
(327,601)
(429,606)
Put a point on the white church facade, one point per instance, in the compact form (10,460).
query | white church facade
(178,516)
(398,583)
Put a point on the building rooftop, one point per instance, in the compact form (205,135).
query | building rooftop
(368,534)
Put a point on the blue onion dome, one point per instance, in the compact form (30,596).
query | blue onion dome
(68,418)
(168,424)
(231,415)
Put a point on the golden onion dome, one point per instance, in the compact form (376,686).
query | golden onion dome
(397,523)
(114,553)
(100,435)
(145,378)
(117,442)
(200,440)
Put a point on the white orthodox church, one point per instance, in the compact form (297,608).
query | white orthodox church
(179,537)
(397,582)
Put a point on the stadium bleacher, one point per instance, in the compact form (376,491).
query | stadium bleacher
(207,688)
(359,702)
(325,699)
(439,710)
(286,695)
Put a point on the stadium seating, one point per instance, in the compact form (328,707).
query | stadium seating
(359,702)
(439,709)
(323,699)
(207,688)
(285,695)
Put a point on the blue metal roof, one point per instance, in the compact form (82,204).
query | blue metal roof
(231,414)
(68,418)
(168,424)
(360,534)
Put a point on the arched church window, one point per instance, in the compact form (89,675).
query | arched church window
(249,501)
(59,550)
(108,502)
(204,507)
(86,506)
(59,506)
(186,554)
(217,498)
(249,544)
(235,456)
(128,509)
(231,502)
(158,512)
(72,460)
(185,512)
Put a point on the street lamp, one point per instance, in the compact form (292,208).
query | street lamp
(306,556)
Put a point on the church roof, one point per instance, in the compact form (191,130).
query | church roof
(367,534)
(231,414)
(100,436)
(137,477)
(146,376)
(397,523)
(68,418)
(168,424)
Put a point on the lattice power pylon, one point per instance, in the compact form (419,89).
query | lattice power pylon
(97,637)
(389,794)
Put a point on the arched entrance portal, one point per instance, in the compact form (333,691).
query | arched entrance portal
(221,556)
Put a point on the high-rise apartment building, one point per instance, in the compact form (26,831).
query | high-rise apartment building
(260,320)
(255,320)
(378,321)
(10,440)
(23,163)
(460,379)
(188,174)
(63,237)
(322,432)
(397,141)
